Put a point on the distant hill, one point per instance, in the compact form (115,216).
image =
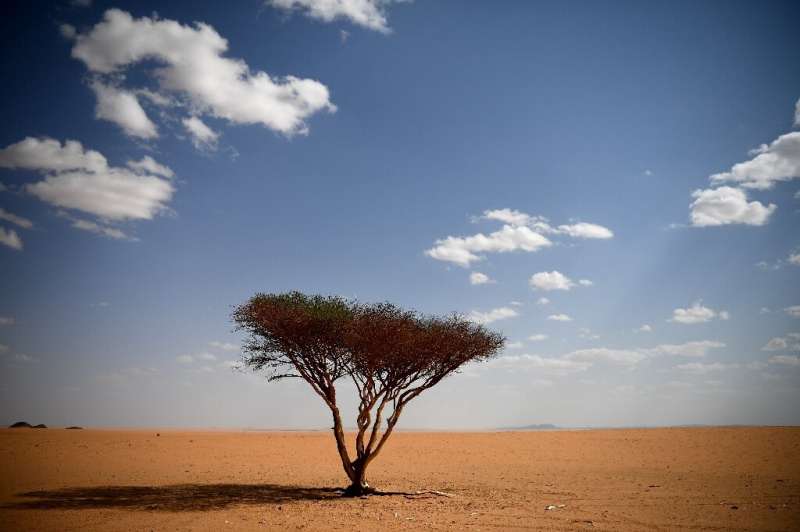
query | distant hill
(21,425)
(541,426)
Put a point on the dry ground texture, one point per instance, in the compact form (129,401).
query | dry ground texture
(648,479)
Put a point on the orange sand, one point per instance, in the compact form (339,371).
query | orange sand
(644,479)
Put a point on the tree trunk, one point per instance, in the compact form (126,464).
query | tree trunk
(359,486)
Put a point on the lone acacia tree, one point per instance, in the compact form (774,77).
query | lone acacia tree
(390,354)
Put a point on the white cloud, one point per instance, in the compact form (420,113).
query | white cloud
(496,314)
(521,232)
(148,164)
(479,278)
(515,303)
(537,337)
(67,31)
(645,328)
(559,317)
(724,315)
(688,349)
(697,313)
(203,137)
(7,320)
(14,219)
(623,357)
(779,161)
(514,345)
(727,205)
(48,155)
(10,238)
(463,250)
(82,180)
(370,14)
(559,366)
(542,301)
(797,113)
(586,230)
(550,281)
(185,359)
(702,368)
(585,282)
(794,259)
(510,217)
(225,346)
(102,230)
(793,311)
(206,356)
(192,64)
(776,344)
(787,360)
(632,357)
(123,109)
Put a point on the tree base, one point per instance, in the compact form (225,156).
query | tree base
(359,490)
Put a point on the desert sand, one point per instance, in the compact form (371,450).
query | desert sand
(642,479)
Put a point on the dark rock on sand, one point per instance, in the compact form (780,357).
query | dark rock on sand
(20,425)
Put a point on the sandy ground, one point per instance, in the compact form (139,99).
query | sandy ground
(648,479)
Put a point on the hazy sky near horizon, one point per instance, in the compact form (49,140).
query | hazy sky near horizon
(613,185)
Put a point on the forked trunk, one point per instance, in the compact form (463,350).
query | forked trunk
(359,486)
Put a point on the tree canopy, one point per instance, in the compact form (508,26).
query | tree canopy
(391,355)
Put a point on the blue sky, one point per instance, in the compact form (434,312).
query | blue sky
(651,149)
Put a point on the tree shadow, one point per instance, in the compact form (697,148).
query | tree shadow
(172,498)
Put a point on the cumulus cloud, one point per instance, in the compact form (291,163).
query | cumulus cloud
(631,357)
(559,317)
(479,278)
(537,337)
(102,230)
(496,314)
(778,161)
(794,259)
(585,282)
(542,301)
(585,230)
(82,180)
(786,360)
(464,250)
(558,366)
(623,357)
(645,328)
(554,280)
(697,313)
(14,219)
(123,109)
(727,205)
(793,311)
(520,232)
(776,344)
(701,368)
(148,165)
(193,65)
(203,137)
(225,346)
(688,349)
(10,238)
(797,113)
(369,14)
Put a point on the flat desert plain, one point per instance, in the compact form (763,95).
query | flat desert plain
(642,479)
